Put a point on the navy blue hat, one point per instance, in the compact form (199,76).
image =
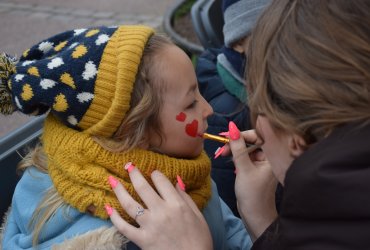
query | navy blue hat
(84,77)
(240,17)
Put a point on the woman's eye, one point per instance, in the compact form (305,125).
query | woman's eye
(259,112)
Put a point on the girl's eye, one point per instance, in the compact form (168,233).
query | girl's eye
(192,105)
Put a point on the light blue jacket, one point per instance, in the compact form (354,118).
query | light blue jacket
(228,231)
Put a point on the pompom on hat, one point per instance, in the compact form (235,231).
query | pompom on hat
(85,77)
(240,16)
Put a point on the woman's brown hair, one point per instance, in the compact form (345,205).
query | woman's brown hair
(309,65)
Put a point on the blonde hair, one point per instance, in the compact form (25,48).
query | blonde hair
(309,65)
(142,117)
(145,102)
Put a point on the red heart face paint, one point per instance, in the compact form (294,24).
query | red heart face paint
(181,117)
(192,128)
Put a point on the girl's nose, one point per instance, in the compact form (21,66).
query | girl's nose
(208,110)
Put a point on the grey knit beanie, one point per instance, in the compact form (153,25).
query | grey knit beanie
(240,17)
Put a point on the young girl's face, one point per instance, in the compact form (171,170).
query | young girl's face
(184,111)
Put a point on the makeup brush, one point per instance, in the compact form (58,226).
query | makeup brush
(251,147)
(215,138)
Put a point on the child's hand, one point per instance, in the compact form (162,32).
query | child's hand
(255,183)
(170,221)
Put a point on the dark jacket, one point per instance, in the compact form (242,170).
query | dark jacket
(326,203)
(226,108)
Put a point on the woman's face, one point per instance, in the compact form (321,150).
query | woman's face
(280,148)
(184,111)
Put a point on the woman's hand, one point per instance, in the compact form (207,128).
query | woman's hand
(255,184)
(171,220)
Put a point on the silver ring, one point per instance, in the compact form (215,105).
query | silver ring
(139,211)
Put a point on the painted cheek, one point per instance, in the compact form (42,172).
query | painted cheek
(191,129)
(181,117)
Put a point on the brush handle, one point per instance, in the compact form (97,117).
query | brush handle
(216,138)
(225,140)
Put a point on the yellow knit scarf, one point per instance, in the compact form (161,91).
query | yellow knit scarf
(79,168)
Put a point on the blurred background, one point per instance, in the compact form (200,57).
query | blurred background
(26,22)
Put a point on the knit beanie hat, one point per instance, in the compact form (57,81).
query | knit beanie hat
(240,17)
(84,77)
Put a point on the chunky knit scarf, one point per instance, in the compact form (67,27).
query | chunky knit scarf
(79,168)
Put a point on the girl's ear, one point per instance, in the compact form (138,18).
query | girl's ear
(297,145)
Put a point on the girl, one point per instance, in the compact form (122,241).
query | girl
(114,95)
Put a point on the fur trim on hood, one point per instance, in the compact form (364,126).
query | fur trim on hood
(103,238)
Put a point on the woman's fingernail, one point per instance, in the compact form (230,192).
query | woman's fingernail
(233,131)
(181,183)
(112,181)
(219,151)
(235,171)
(224,134)
(108,209)
(129,166)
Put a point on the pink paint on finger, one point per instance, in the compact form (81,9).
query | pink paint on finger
(219,152)
(129,166)
(108,209)
(181,183)
(112,181)
(224,134)
(233,131)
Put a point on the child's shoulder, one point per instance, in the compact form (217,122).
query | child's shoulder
(33,183)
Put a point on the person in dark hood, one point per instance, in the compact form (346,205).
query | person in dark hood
(220,74)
